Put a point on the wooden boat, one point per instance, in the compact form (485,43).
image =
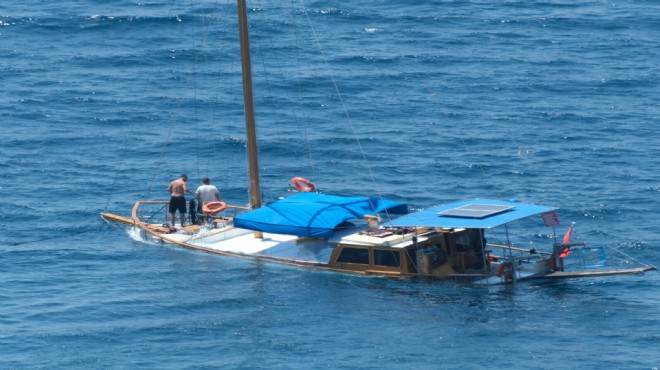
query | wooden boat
(444,242)
(346,233)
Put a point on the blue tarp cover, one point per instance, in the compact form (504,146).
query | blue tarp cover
(313,214)
(432,217)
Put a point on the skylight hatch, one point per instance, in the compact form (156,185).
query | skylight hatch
(476,210)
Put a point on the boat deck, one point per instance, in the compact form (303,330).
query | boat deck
(244,242)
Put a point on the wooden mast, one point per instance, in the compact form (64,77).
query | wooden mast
(250,126)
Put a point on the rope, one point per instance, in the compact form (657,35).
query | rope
(113,184)
(299,109)
(628,256)
(342,103)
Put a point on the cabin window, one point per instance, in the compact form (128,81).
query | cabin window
(387,258)
(462,242)
(354,255)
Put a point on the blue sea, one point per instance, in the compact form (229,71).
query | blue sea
(103,103)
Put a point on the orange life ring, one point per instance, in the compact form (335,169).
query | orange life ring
(506,270)
(302,184)
(213,208)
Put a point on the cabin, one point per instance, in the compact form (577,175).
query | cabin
(403,251)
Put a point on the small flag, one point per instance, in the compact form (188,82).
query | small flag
(569,232)
(550,218)
(567,239)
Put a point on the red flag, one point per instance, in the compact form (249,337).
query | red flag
(567,239)
(550,218)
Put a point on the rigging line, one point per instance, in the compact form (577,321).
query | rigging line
(214,103)
(299,84)
(223,16)
(628,256)
(310,160)
(325,107)
(219,12)
(201,52)
(197,53)
(157,167)
(434,96)
(205,50)
(193,74)
(122,158)
(209,167)
(160,158)
(259,51)
(228,123)
(343,105)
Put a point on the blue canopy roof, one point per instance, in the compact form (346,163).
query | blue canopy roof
(313,214)
(475,214)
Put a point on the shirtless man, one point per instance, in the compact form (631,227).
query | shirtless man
(177,200)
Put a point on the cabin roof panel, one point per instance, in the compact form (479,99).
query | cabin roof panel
(450,216)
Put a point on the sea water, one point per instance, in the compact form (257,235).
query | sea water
(104,103)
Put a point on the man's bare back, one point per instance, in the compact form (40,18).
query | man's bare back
(178,187)
(177,201)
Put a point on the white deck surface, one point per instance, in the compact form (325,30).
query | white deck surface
(242,241)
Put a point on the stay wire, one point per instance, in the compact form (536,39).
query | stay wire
(342,103)
(297,37)
(174,117)
(301,108)
(122,158)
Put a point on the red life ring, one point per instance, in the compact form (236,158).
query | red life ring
(214,208)
(302,184)
(506,270)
